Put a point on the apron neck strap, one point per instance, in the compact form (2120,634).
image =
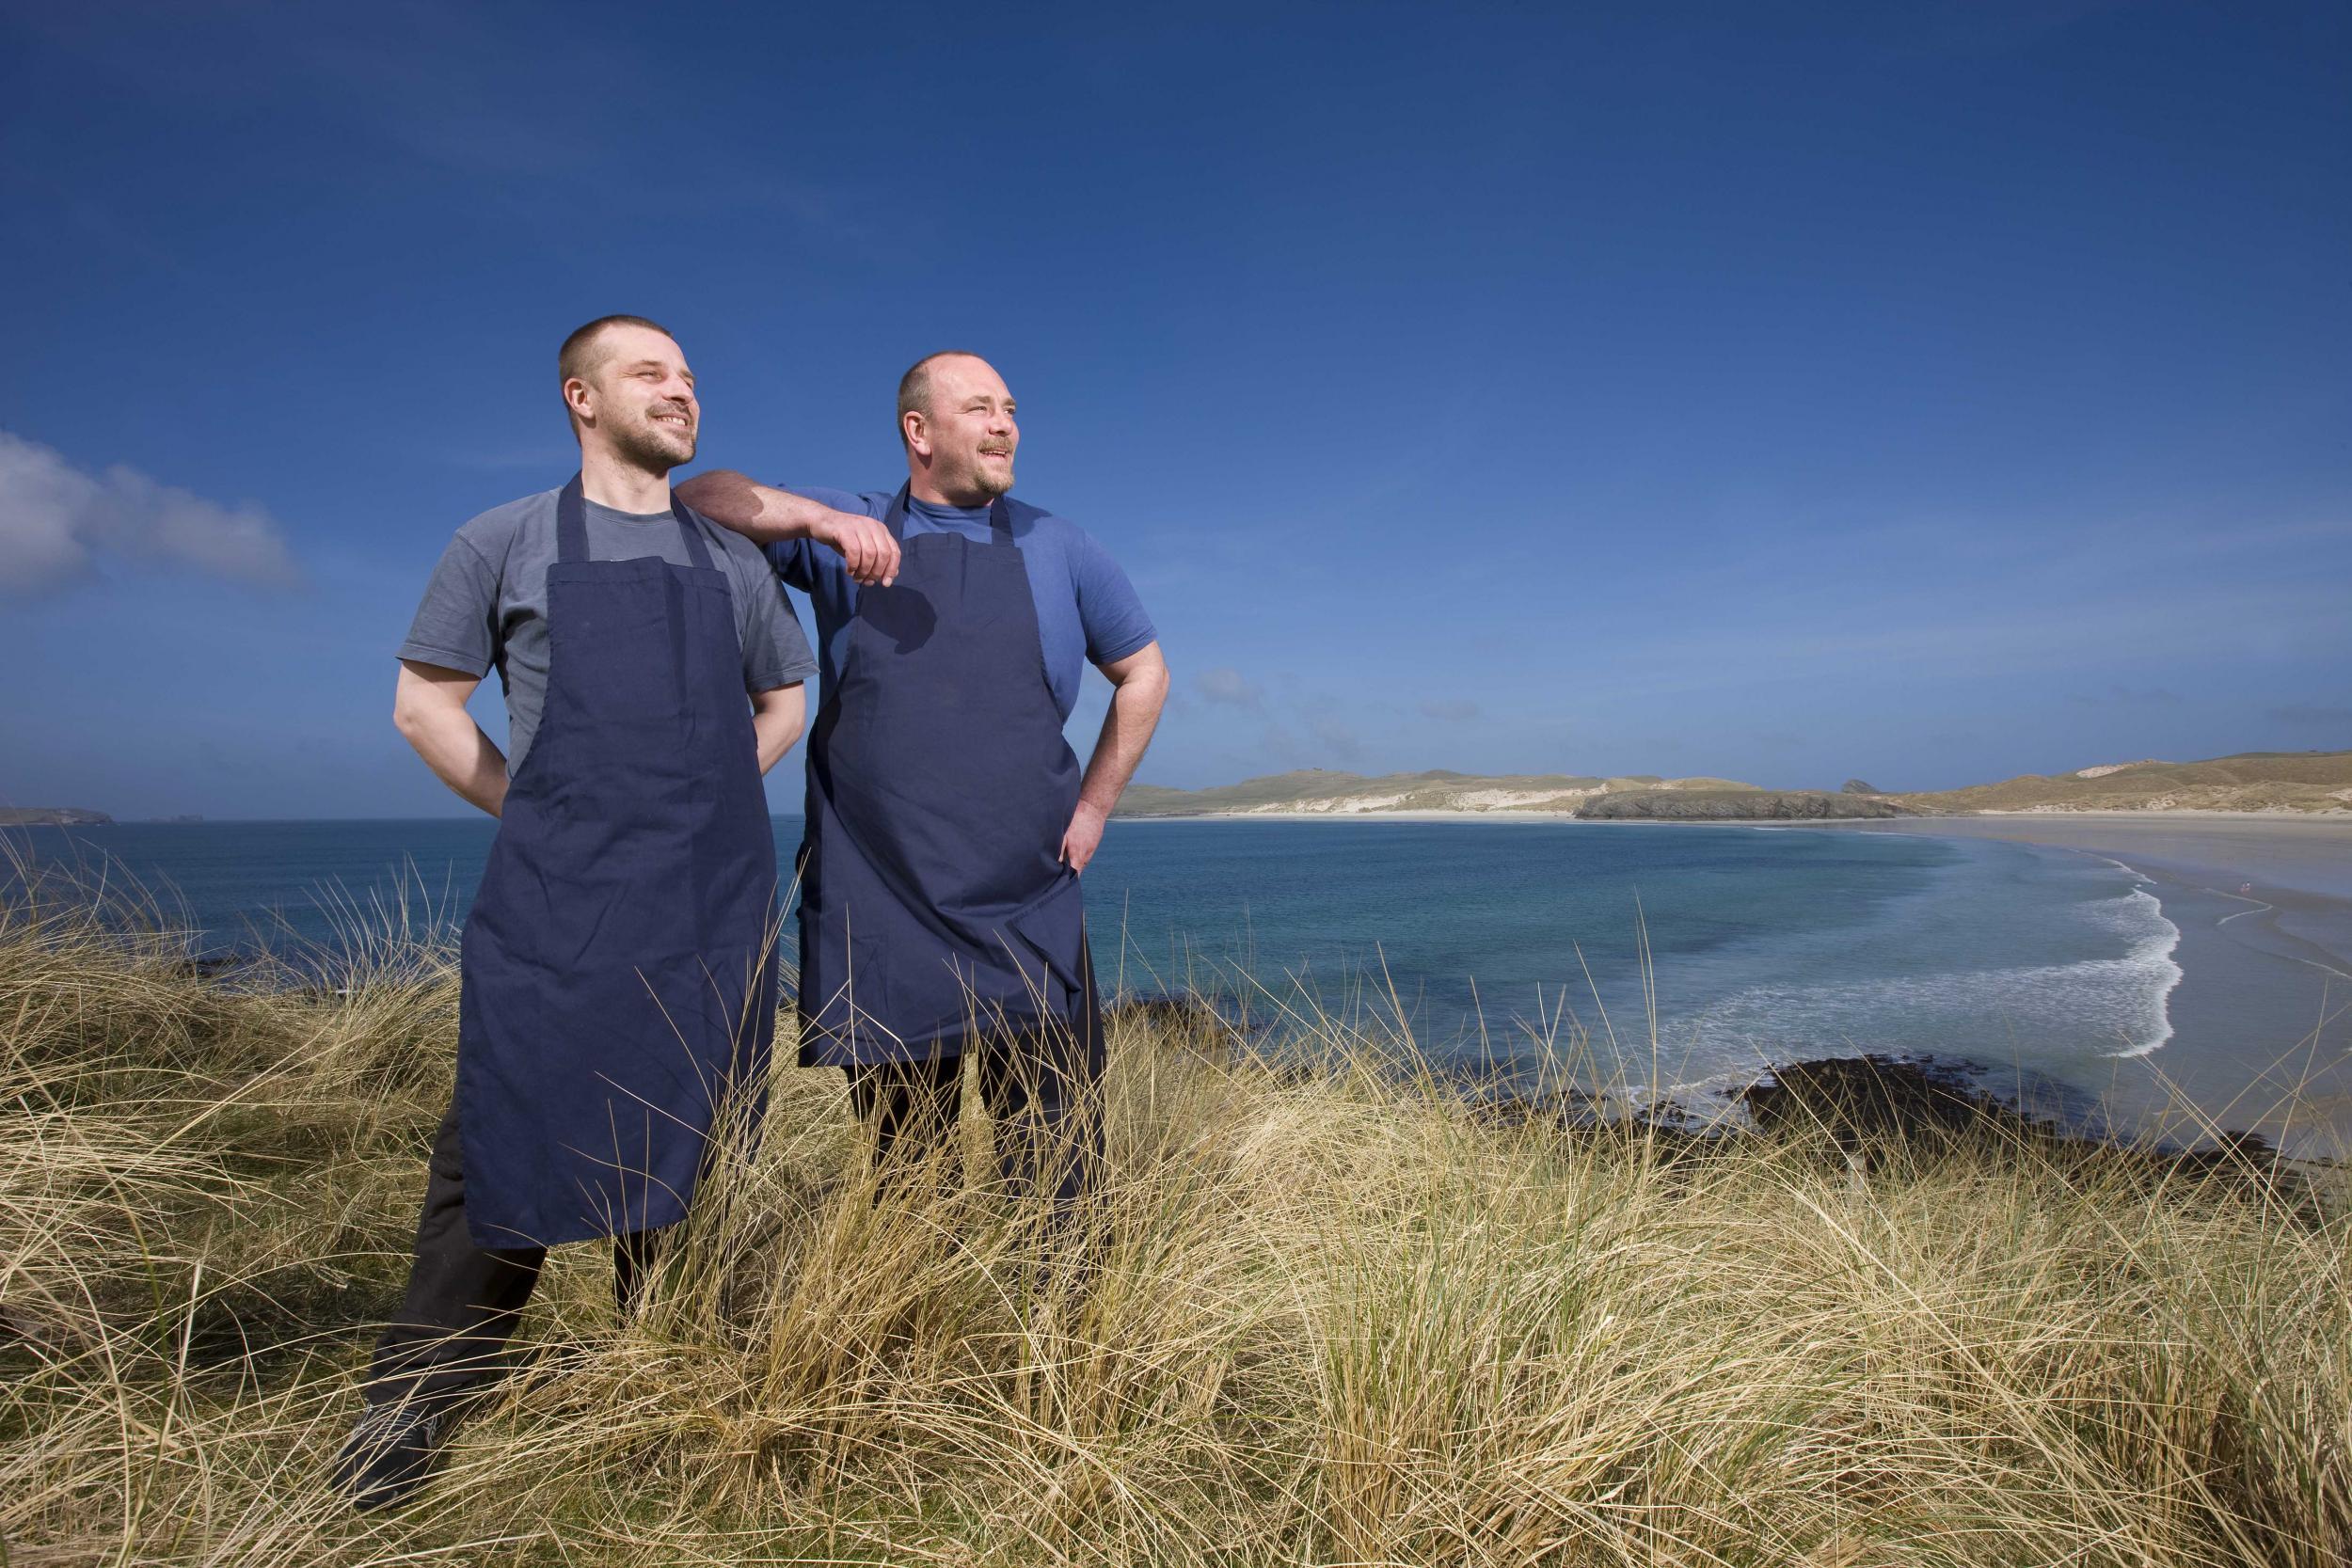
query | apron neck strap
(696,551)
(999,519)
(571,528)
(571,524)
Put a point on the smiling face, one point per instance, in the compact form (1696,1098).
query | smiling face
(634,396)
(961,440)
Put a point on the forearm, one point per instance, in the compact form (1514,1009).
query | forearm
(1135,713)
(777,718)
(460,755)
(755,511)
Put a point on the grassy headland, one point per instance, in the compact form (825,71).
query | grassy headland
(2255,781)
(1321,791)
(1346,1318)
(65,817)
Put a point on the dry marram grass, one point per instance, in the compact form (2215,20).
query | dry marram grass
(1339,1318)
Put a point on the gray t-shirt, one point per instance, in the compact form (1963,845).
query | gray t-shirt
(487,603)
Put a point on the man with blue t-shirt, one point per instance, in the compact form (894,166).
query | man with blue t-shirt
(948,820)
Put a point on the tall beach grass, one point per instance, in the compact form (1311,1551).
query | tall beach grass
(1341,1316)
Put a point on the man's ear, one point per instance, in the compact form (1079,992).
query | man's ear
(917,431)
(576,397)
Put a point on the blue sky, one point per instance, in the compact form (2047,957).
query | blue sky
(1926,393)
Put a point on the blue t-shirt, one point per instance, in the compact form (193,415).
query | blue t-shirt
(1085,607)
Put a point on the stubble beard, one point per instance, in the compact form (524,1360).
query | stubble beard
(986,482)
(647,447)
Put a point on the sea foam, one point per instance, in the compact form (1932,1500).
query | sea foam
(2116,1005)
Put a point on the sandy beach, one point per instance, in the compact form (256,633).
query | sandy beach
(2264,905)
(2292,874)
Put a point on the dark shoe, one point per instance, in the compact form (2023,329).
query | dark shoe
(390,1452)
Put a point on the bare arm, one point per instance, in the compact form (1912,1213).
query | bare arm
(778,716)
(429,710)
(761,513)
(1138,689)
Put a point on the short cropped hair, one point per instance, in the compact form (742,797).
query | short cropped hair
(914,388)
(578,356)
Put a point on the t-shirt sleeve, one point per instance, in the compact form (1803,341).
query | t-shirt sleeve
(799,561)
(794,561)
(775,651)
(874,504)
(1108,607)
(457,626)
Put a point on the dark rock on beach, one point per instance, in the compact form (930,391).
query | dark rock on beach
(1874,1107)
(1874,1098)
(1731,805)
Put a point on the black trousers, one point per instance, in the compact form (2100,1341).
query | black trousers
(463,1301)
(1046,1107)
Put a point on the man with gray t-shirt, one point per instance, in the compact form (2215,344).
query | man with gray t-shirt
(617,973)
(487,604)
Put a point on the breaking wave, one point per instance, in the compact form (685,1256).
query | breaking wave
(2118,1005)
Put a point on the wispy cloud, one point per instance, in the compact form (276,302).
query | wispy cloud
(1450,711)
(1227,687)
(2308,713)
(2155,696)
(57,522)
(1339,738)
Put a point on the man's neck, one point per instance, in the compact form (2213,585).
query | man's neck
(979,503)
(608,481)
(919,487)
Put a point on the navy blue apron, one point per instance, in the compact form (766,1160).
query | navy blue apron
(935,909)
(618,965)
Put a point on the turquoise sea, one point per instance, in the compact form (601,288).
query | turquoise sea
(1678,959)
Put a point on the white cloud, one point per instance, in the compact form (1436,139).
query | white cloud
(56,522)
(1227,685)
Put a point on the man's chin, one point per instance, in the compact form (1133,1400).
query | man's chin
(658,451)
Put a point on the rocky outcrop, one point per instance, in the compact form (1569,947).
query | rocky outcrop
(1726,805)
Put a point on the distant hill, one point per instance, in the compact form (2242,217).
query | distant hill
(64,817)
(1327,793)
(2251,781)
